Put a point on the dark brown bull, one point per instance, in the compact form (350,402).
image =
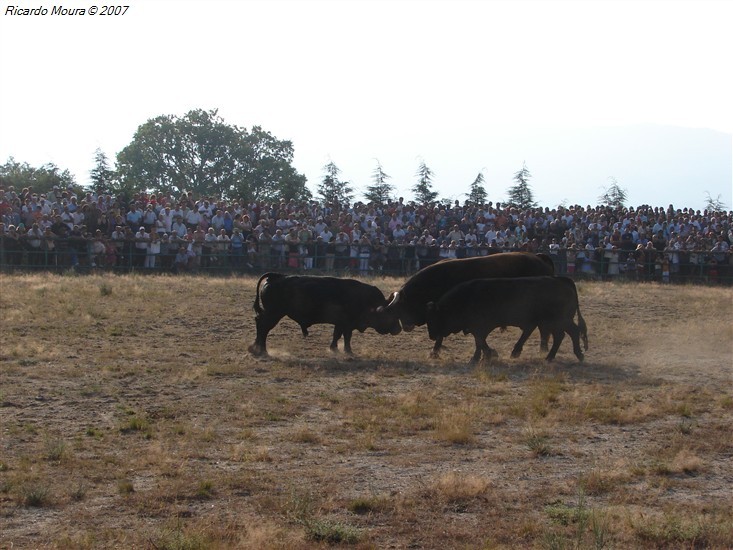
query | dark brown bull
(409,303)
(346,304)
(478,307)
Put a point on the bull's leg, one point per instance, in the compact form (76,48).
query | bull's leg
(481,347)
(347,341)
(544,338)
(517,351)
(337,332)
(436,347)
(264,325)
(574,332)
(557,337)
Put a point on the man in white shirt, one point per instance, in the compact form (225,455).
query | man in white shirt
(141,247)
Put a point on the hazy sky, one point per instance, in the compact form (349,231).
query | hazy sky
(582,91)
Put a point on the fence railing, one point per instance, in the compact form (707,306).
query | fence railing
(696,266)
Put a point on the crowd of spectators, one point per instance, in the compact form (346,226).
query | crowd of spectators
(64,228)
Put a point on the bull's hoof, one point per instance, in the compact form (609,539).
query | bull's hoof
(516,354)
(256,350)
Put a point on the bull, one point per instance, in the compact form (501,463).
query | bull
(478,307)
(347,304)
(409,303)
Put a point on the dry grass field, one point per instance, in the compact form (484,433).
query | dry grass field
(132,416)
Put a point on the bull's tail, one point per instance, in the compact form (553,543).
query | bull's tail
(269,276)
(583,329)
(581,322)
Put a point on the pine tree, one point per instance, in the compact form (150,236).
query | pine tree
(332,189)
(101,176)
(423,189)
(478,192)
(380,191)
(614,196)
(520,194)
(714,205)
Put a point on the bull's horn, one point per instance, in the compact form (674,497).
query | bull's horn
(394,298)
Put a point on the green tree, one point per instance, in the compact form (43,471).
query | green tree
(520,194)
(42,178)
(714,205)
(381,190)
(267,172)
(613,196)
(478,194)
(199,152)
(423,189)
(332,189)
(101,176)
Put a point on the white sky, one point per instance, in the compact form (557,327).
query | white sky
(581,91)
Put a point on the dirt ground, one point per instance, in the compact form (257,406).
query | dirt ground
(132,416)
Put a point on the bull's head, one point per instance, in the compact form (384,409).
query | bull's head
(384,321)
(395,308)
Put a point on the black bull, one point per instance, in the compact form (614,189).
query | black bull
(409,303)
(478,307)
(345,303)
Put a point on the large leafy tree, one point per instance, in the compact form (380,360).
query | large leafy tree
(380,191)
(478,194)
(423,189)
(520,194)
(332,189)
(42,178)
(199,152)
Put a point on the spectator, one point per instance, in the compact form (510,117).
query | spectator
(133,218)
(142,238)
(97,249)
(364,252)
(277,249)
(13,246)
(149,219)
(152,251)
(183,261)
(223,243)
(34,241)
(205,246)
(238,247)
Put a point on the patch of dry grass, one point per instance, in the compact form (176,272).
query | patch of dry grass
(132,416)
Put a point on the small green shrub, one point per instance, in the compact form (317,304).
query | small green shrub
(35,496)
(332,532)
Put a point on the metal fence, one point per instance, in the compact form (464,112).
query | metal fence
(82,255)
